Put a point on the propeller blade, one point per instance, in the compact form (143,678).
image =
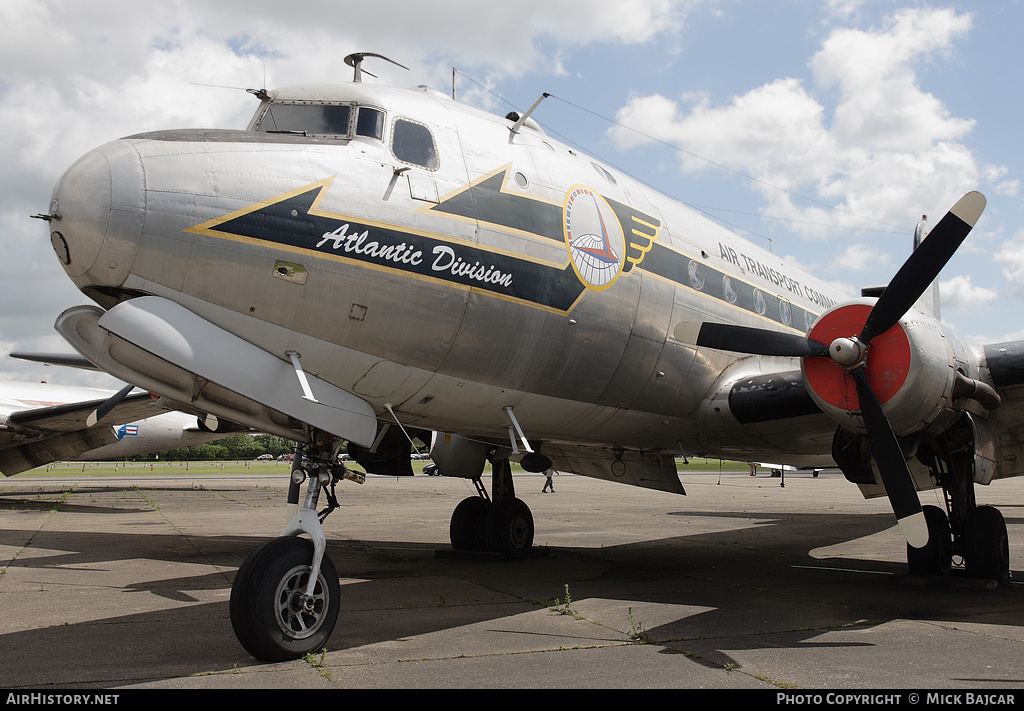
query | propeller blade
(743,339)
(924,265)
(896,478)
(109,404)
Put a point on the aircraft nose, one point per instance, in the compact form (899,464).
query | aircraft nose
(96,215)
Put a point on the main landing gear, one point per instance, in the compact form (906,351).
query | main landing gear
(974,534)
(504,525)
(977,536)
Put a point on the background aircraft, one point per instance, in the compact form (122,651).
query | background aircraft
(370,266)
(42,423)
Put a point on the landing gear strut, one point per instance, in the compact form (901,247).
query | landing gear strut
(502,526)
(976,534)
(285,597)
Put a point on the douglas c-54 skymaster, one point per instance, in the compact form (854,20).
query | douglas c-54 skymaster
(365,266)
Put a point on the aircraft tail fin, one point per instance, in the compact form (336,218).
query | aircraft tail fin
(929,301)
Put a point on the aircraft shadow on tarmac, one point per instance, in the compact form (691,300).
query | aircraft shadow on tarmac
(745,588)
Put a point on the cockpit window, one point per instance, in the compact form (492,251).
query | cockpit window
(370,123)
(412,142)
(307,119)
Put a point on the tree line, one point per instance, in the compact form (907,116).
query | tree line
(239,446)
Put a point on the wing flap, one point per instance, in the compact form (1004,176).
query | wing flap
(647,470)
(22,457)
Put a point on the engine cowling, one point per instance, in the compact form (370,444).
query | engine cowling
(919,392)
(913,368)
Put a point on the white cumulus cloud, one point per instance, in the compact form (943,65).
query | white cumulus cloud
(865,138)
(960,293)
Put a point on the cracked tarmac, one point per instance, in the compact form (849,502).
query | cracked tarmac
(109,583)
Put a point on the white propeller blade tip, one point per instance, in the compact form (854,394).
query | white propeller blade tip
(915,529)
(688,331)
(969,207)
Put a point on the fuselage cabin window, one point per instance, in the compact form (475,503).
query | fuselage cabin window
(412,143)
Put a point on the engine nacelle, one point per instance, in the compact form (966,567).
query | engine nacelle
(917,369)
(458,456)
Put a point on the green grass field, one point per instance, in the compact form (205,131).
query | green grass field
(80,469)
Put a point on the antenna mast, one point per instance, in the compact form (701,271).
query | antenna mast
(356,61)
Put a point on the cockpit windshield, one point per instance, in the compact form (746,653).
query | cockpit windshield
(307,119)
(411,142)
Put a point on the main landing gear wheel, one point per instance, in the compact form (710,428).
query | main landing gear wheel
(271,616)
(469,524)
(509,527)
(504,526)
(935,558)
(986,546)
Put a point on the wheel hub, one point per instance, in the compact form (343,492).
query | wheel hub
(299,615)
(519,532)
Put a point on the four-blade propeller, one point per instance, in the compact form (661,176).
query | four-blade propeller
(109,404)
(910,282)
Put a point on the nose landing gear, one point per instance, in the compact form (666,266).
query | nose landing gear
(285,597)
(273,616)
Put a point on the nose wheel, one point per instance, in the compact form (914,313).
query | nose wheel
(274,614)
(285,597)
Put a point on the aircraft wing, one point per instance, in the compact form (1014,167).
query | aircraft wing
(69,360)
(40,435)
(42,423)
(72,417)
(641,469)
(200,369)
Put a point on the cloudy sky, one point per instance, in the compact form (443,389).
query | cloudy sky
(823,129)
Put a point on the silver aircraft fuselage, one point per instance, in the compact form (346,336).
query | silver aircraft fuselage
(362,258)
(443,268)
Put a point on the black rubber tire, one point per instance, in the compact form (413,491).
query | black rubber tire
(510,527)
(469,521)
(936,557)
(264,617)
(986,545)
